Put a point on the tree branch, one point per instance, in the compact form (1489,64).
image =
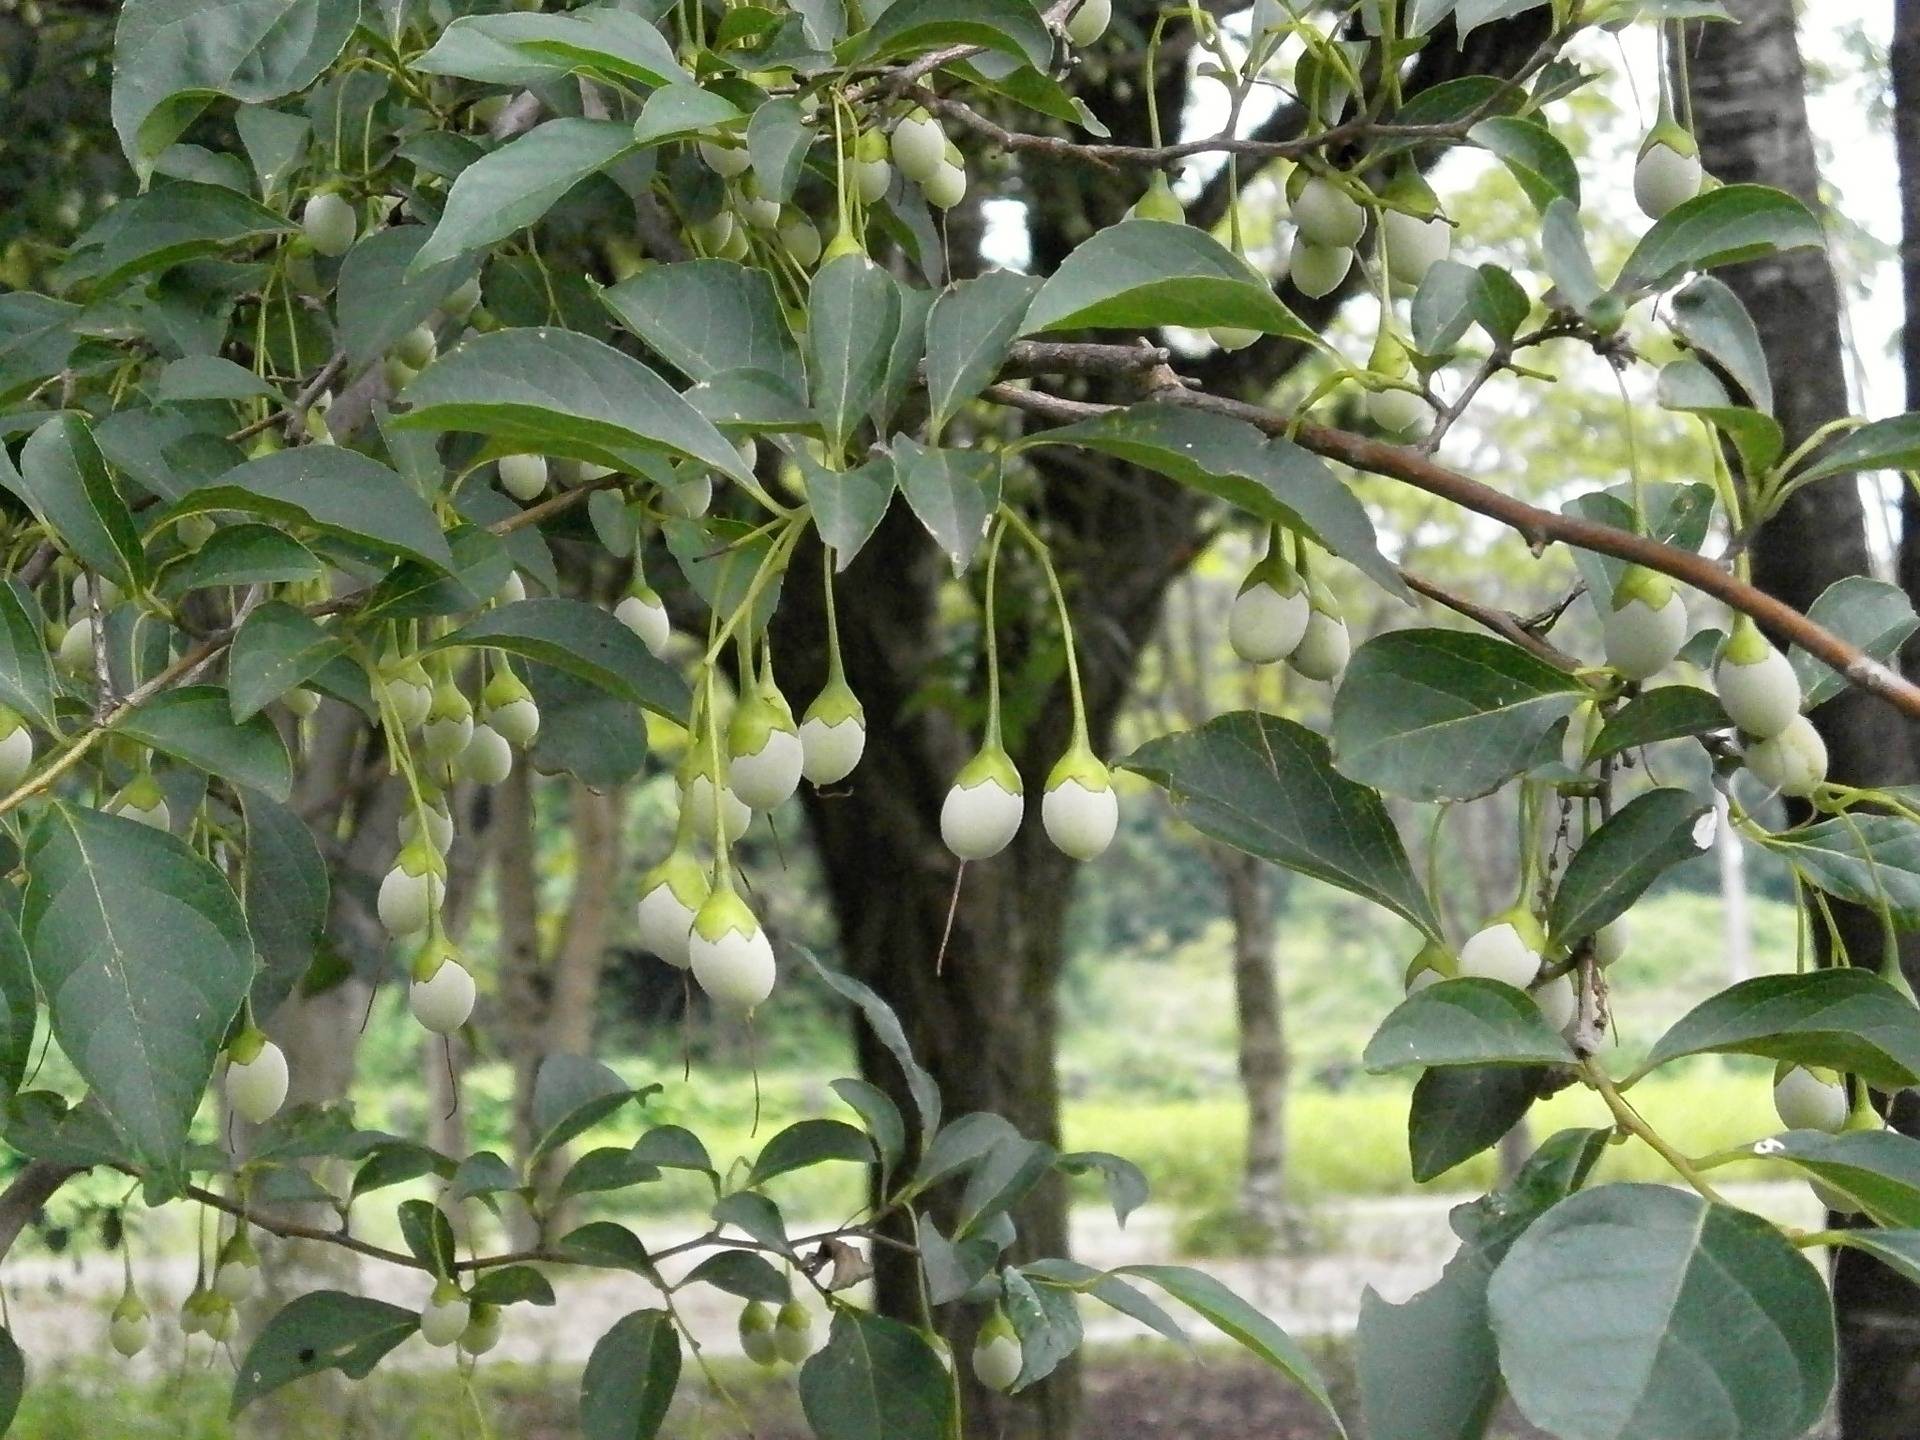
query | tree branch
(28,1195)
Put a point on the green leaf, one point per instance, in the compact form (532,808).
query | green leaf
(381,295)
(208,377)
(277,648)
(1047,1323)
(756,1217)
(19,1010)
(1126,1183)
(1712,319)
(64,480)
(562,393)
(13,1379)
(584,641)
(853,316)
(26,672)
(1140,274)
(572,1094)
(875,1379)
(1897,1248)
(1272,479)
(242,554)
(1005,1176)
(37,336)
(810,1142)
(1873,614)
(1267,786)
(1678,514)
(1703,1319)
(1454,296)
(171,57)
(423,1225)
(1240,1322)
(679,110)
(608,1168)
(512,187)
(1563,246)
(607,1246)
(885,1126)
(1012,28)
(1667,712)
(1890,444)
(326,1330)
(848,505)
(1633,847)
(1466,1022)
(742,1273)
(905,356)
(886,1028)
(1846,1019)
(535,49)
(512,1285)
(673,1147)
(1470,15)
(172,223)
(584,731)
(334,491)
(284,890)
(630,1378)
(1720,227)
(1534,155)
(143,954)
(195,724)
(1113,1292)
(1878,1169)
(1446,715)
(707,318)
(1689,387)
(1872,860)
(955,493)
(969,331)
(1460,1110)
(777,140)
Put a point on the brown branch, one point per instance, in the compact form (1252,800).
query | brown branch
(28,1195)
(1503,623)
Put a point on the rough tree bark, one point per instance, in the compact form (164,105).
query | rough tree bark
(1749,90)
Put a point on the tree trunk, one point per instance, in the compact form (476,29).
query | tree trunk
(1264,1064)
(1750,103)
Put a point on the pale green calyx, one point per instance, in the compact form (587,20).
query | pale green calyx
(505,688)
(419,858)
(142,792)
(1409,191)
(433,956)
(871,146)
(1322,600)
(1082,765)
(1160,203)
(835,704)
(991,764)
(1389,360)
(1434,957)
(1821,1073)
(246,1046)
(1275,572)
(449,703)
(683,874)
(724,913)
(131,1307)
(1672,134)
(446,1293)
(997,1327)
(1745,645)
(761,712)
(1649,587)
(1526,925)
(10,721)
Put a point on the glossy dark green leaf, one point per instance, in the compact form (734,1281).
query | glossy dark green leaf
(143,955)
(1046,1322)
(678,110)
(1140,274)
(512,187)
(1563,246)
(583,640)
(1890,444)
(1272,479)
(1466,1022)
(195,724)
(1004,1176)
(1872,860)
(64,479)
(1874,614)
(673,1147)
(173,223)
(209,377)
(26,671)
(848,505)
(1267,786)
(1013,28)
(172,57)
(886,1028)
(572,1094)
(19,1009)
(512,1285)
(886,1127)
(1714,321)
(1689,387)
(1846,1019)
(1632,848)
(1718,227)
(742,1273)
(1704,1319)
(955,493)
(335,492)
(1679,514)
(1453,297)
(1460,1110)
(875,1379)
(381,296)
(564,394)
(284,888)
(1446,715)
(969,331)
(519,48)
(777,139)
(1533,154)
(584,731)
(707,318)
(324,1330)
(853,317)
(810,1142)
(1878,1169)
(1664,713)
(1125,1182)
(277,648)
(630,1378)
(756,1217)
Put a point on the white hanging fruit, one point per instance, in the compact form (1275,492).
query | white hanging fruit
(1667,172)
(643,612)
(256,1077)
(1757,686)
(764,750)
(730,817)
(1325,645)
(799,237)
(1508,949)
(449,723)
(412,889)
(1317,270)
(524,477)
(409,693)
(982,811)
(1810,1097)
(1558,1001)
(1645,624)
(1232,337)
(1080,809)
(1431,964)
(484,1327)
(236,1274)
(442,992)
(688,498)
(329,223)
(833,734)
(130,1327)
(508,706)
(141,800)
(434,822)
(1327,215)
(997,1357)
(726,161)
(793,1333)
(488,758)
(75,654)
(671,895)
(443,1319)
(919,146)
(947,186)
(16,749)
(1794,762)
(1269,615)
(1610,941)
(1089,22)
(731,956)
